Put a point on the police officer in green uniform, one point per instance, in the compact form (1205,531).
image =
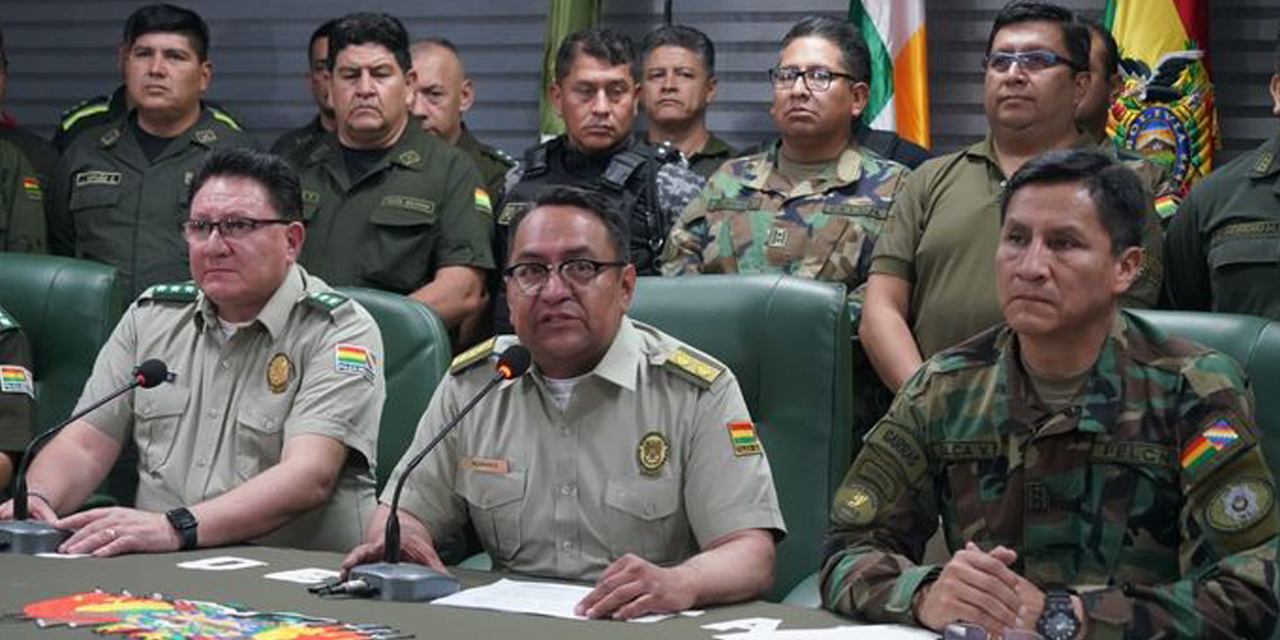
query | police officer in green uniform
(22,202)
(677,83)
(389,206)
(17,396)
(99,110)
(293,145)
(39,152)
(442,94)
(1094,477)
(623,456)
(1221,245)
(120,190)
(268,432)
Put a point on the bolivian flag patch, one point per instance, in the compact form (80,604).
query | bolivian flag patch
(482,201)
(349,358)
(32,188)
(742,435)
(16,379)
(1214,439)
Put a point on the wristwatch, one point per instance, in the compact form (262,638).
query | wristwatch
(185,524)
(1058,621)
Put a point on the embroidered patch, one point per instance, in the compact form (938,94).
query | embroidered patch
(16,379)
(279,371)
(32,187)
(652,453)
(1205,446)
(205,136)
(410,157)
(410,203)
(742,435)
(349,358)
(482,201)
(86,178)
(697,369)
(1239,505)
(777,238)
(310,197)
(856,504)
(485,465)
(511,210)
(109,138)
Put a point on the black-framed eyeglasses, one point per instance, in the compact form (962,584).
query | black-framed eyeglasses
(815,79)
(531,277)
(1030,61)
(228,228)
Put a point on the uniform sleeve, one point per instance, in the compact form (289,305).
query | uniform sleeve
(24,205)
(342,403)
(1187,260)
(113,369)
(689,237)
(61,225)
(430,494)
(1228,524)
(466,226)
(882,516)
(896,247)
(728,484)
(17,403)
(677,186)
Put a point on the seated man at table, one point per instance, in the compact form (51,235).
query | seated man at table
(623,457)
(1094,477)
(268,431)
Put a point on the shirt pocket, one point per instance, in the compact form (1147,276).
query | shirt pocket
(157,417)
(495,504)
(398,255)
(643,519)
(259,440)
(92,208)
(1144,546)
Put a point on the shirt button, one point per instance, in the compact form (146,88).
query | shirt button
(226,364)
(567,489)
(212,413)
(566,545)
(200,463)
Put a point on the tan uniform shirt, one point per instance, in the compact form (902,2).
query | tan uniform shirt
(310,363)
(639,461)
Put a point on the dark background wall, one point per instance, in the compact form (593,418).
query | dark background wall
(63,51)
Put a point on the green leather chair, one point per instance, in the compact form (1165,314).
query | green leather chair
(417,358)
(68,309)
(788,342)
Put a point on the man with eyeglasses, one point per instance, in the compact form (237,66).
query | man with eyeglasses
(268,431)
(121,186)
(929,286)
(811,205)
(623,457)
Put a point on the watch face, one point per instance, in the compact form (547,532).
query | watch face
(1059,626)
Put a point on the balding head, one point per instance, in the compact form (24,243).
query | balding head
(443,92)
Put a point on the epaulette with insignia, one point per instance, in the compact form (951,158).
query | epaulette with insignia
(478,353)
(1263,165)
(693,367)
(173,292)
(224,118)
(500,155)
(94,105)
(7,322)
(326,301)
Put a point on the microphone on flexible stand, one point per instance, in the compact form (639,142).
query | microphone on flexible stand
(26,536)
(405,582)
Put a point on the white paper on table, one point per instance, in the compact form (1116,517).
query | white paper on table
(310,575)
(768,629)
(552,599)
(221,563)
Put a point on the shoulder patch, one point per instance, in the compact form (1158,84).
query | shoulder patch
(475,354)
(173,292)
(499,155)
(221,116)
(92,106)
(693,367)
(7,322)
(325,301)
(205,136)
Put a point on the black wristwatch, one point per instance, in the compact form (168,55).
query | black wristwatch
(1058,621)
(185,524)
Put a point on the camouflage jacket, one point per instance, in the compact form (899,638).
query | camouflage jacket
(1147,494)
(752,219)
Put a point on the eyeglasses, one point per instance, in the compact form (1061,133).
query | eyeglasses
(1030,61)
(228,228)
(814,79)
(531,277)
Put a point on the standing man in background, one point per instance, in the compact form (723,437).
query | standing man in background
(298,141)
(677,83)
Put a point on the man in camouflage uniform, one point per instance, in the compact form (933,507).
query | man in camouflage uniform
(812,205)
(17,396)
(293,145)
(22,219)
(442,93)
(1094,477)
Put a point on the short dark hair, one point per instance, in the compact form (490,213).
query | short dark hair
(685,37)
(1112,63)
(371,28)
(599,206)
(1116,191)
(270,170)
(1074,34)
(845,36)
(321,31)
(168,18)
(606,45)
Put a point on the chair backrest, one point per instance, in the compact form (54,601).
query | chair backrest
(788,341)
(1254,343)
(68,309)
(417,359)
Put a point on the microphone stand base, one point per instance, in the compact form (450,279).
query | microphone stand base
(30,537)
(405,582)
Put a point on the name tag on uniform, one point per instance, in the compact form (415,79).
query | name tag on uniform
(486,465)
(734,204)
(1143,453)
(85,178)
(846,209)
(410,203)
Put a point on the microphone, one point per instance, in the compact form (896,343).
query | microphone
(22,535)
(391,580)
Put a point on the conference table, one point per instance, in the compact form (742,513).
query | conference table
(26,579)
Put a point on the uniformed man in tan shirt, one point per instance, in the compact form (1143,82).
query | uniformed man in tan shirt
(624,457)
(268,431)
